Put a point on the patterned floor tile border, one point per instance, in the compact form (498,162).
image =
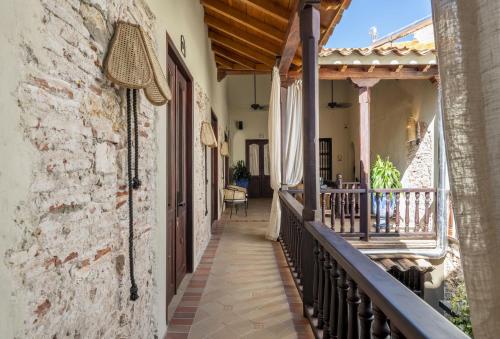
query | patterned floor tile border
(184,314)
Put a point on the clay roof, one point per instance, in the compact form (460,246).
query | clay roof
(405,264)
(382,51)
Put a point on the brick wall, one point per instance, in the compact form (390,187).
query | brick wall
(70,264)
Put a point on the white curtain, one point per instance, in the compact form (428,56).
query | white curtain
(274,129)
(294,155)
(267,167)
(468,35)
(253,158)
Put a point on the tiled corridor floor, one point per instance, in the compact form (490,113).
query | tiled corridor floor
(242,288)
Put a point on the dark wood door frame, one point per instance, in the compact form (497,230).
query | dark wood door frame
(215,176)
(174,55)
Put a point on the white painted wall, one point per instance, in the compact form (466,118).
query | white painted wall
(393,102)
(240,95)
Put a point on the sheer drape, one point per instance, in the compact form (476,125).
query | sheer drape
(293,157)
(274,129)
(253,158)
(267,167)
(468,35)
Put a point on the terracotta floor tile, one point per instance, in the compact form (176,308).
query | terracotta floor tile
(242,287)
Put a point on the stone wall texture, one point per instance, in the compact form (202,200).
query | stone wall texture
(70,266)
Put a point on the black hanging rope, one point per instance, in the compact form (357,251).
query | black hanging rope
(136,181)
(133,289)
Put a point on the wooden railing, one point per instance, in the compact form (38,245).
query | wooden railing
(410,212)
(345,294)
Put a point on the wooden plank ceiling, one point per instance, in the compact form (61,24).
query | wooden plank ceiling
(247,36)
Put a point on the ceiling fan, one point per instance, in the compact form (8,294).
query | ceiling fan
(334,104)
(255,106)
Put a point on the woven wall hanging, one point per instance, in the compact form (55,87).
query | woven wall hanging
(132,64)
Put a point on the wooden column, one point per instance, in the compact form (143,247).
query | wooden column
(364,86)
(309,34)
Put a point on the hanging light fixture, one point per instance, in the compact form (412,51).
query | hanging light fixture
(208,139)
(224,149)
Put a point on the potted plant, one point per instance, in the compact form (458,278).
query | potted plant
(241,175)
(384,175)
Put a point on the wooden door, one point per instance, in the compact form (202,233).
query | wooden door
(178,172)
(171,184)
(257,160)
(181,194)
(215,176)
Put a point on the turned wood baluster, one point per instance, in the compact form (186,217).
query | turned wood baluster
(292,239)
(352,210)
(377,220)
(417,214)
(427,211)
(342,212)
(315,278)
(326,296)
(397,212)
(299,246)
(334,300)
(365,316)
(342,309)
(334,207)
(353,302)
(381,328)
(320,286)
(387,212)
(323,207)
(407,212)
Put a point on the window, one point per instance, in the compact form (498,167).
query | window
(325,158)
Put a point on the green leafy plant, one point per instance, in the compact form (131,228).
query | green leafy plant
(240,171)
(460,310)
(384,174)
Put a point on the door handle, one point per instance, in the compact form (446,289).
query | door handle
(181,204)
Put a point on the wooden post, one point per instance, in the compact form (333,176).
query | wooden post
(309,34)
(364,86)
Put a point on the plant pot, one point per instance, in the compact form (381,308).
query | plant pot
(383,204)
(242,183)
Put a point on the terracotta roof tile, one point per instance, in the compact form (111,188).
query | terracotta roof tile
(382,51)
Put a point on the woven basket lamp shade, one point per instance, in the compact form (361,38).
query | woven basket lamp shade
(224,149)
(207,135)
(132,63)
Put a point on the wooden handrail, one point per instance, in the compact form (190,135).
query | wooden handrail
(345,294)
(412,316)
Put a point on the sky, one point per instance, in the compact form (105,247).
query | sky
(387,15)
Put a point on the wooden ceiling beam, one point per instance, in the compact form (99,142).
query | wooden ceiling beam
(234,57)
(242,18)
(223,61)
(380,72)
(241,48)
(329,6)
(292,40)
(277,12)
(252,39)
(244,72)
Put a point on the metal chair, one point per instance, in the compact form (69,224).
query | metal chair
(236,195)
